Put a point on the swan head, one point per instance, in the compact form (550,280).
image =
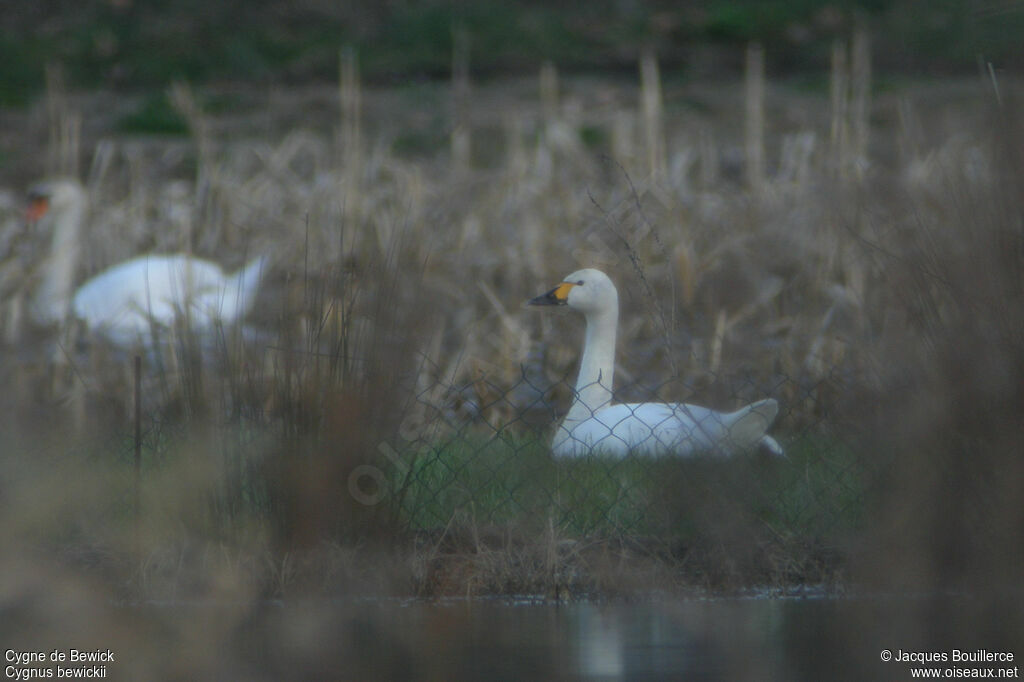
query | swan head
(590,291)
(53,196)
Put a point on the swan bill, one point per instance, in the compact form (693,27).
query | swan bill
(37,208)
(557,296)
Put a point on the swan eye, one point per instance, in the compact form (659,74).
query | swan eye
(580,283)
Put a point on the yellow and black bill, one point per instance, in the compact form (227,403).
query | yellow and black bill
(557,296)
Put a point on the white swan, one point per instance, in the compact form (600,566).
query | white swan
(596,425)
(125,301)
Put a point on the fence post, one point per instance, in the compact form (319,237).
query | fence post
(138,450)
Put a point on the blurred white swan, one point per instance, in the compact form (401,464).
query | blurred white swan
(596,425)
(125,301)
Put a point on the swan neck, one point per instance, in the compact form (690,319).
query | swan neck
(53,297)
(594,384)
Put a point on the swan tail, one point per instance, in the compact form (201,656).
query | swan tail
(248,280)
(772,446)
(747,430)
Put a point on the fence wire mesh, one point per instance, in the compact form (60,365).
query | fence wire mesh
(482,451)
(307,457)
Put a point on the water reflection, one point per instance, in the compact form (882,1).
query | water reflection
(698,639)
(498,640)
(598,638)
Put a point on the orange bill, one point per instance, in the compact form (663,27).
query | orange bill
(36,209)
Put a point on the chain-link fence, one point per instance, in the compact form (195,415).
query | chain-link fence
(477,457)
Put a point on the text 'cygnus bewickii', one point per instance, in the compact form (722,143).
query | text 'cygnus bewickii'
(126,300)
(596,425)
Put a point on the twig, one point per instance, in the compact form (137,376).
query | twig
(634,258)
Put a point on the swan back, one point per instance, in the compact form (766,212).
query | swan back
(126,300)
(652,429)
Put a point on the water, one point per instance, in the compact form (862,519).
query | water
(754,638)
(759,637)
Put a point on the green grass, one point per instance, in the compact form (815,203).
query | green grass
(154,115)
(814,492)
(595,138)
(507,480)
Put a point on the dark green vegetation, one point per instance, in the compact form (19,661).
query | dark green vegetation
(149,44)
(155,116)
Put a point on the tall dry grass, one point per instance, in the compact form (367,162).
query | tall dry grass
(946,418)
